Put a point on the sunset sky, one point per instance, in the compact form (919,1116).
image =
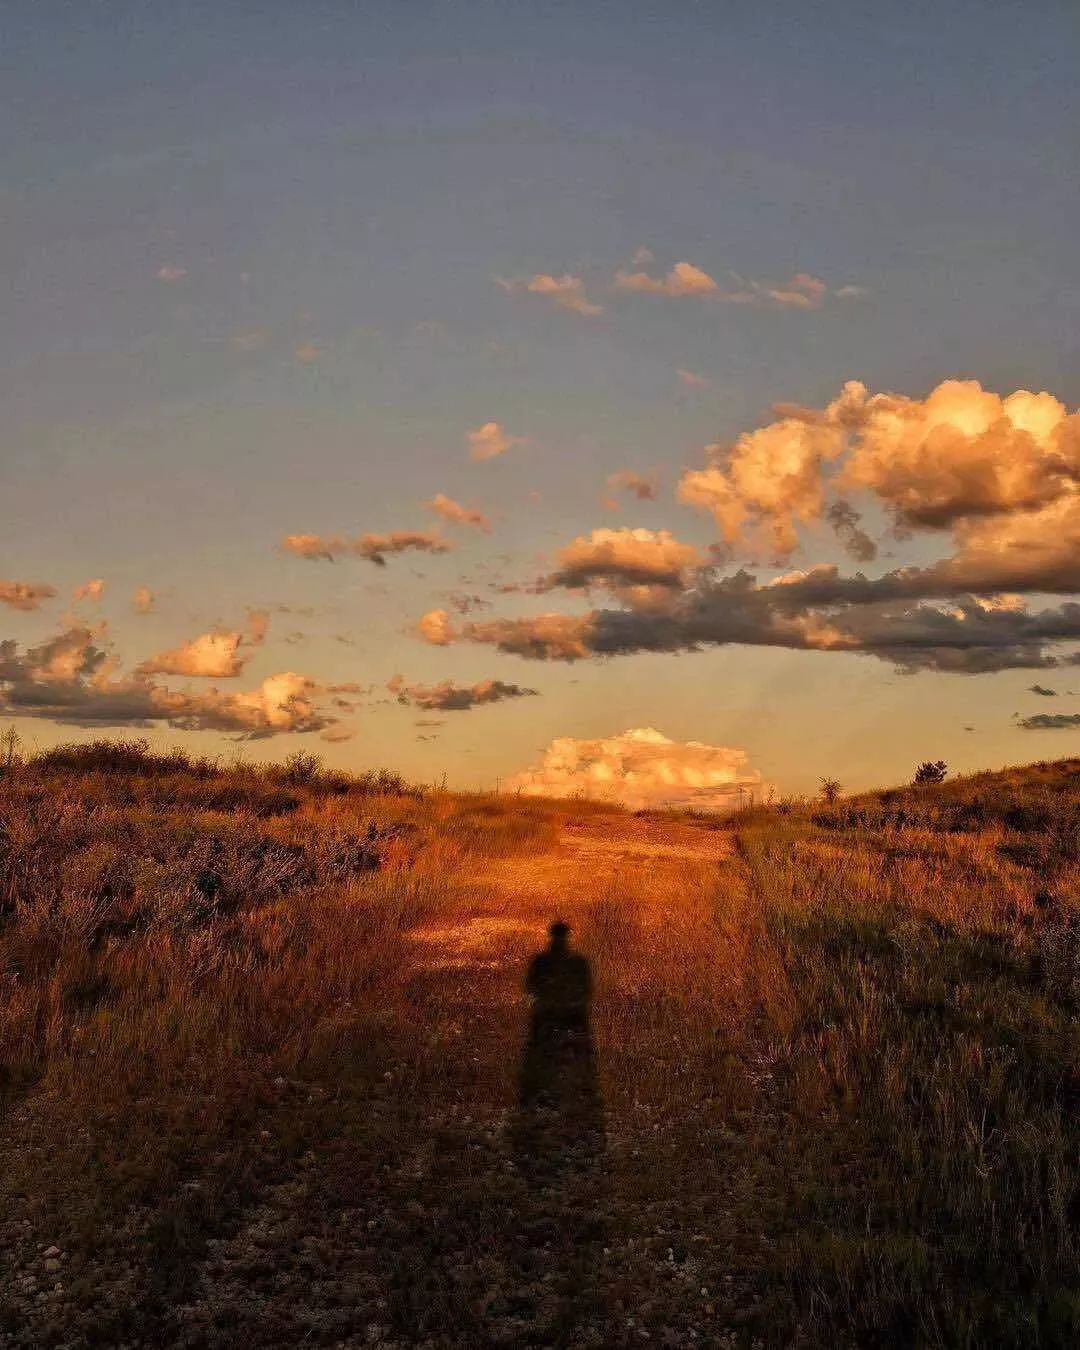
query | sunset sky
(442,385)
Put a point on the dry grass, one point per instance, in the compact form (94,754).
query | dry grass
(260,1029)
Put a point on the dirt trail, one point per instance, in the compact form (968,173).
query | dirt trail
(412,1214)
(516,897)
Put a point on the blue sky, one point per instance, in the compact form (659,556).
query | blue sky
(250,257)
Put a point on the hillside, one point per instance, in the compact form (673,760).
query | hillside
(264,1056)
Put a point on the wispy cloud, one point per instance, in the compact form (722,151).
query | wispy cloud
(802,290)
(641,486)
(450,697)
(171,272)
(565,292)
(90,590)
(490,440)
(143,600)
(372,547)
(455,514)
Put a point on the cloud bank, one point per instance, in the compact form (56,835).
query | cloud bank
(72,679)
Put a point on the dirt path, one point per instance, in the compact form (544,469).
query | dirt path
(457,1223)
(594,857)
(422,1215)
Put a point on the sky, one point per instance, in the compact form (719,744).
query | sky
(322,318)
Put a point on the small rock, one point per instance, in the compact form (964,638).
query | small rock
(51,1251)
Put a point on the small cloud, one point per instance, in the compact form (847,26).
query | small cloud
(490,440)
(803,291)
(436,627)
(143,600)
(642,256)
(308,353)
(450,697)
(851,292)
(171,272)
(1050,722)
(628,480)
(25,594)
(219,654)
(90,590)
(683,279)
(693,380)
(565,292)
(373,547)
(449,510)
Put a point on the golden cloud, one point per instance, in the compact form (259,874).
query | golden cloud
(642,768)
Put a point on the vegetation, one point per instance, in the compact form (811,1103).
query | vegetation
(260,1030)
(931,771)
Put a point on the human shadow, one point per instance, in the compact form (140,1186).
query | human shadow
(560,1117)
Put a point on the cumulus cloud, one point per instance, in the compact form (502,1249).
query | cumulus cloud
(436,627)
(623,558)
(220,654)
(450,697)
(490,440)
(566,291)
(91,590)
(449,510)
(143,600)
(683,279)
(373,547)
(25,594)
(1050,722)
(642,768)
(72,679)
(1001,473)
